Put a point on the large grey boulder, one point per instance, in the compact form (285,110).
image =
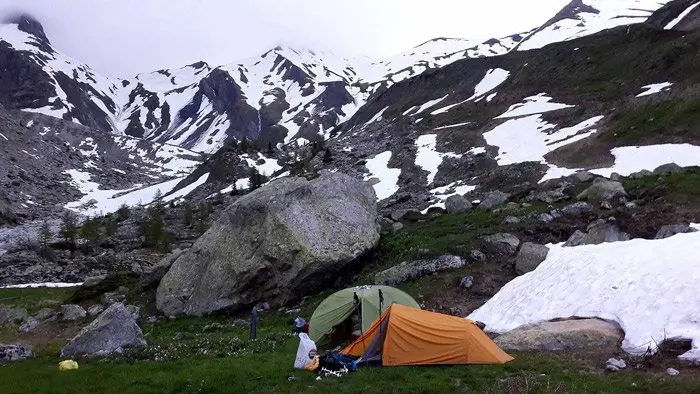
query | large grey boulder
(457,203)
(407,271)
(502,243)
(603,189)
(14,352)
(583,334)
(529,257)
(279,243)
(601,231)
(493,199)
(11,315)
(673,229)
(582,176)
(111,332)
(575,239)
(670,168)
(72,312)
(151,276)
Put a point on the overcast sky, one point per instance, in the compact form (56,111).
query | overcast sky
(124,37)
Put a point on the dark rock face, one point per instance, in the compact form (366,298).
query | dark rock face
(504,244)
(671,10)
(277,244)
(530,256)
(598,232)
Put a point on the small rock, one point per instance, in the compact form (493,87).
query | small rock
(178,336)
(502,243)
(29,325)
(46,314)
(531,255)
(72,312)
(615,176)
(606,205)
(477,256)
(493,199)
(10,315)
(14,352)
(544,217)
(396,227)
(582,176)
(135,311)
(672,371)
(152,319)
(640,174)
(576,238)
(526,205)
(556,213)
(95,310)
(614,365)
(263,306)
(112,298)
(406,214)
(630,205)
(673,229)
(576,209)
(670,168)
(603,189)
(511,220)
(512,206)
(457,203)
(93,281)
(466,282)
(292,311)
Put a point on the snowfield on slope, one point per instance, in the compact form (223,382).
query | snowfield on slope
(654,88)
(428,158)
(649,287)
(387,178)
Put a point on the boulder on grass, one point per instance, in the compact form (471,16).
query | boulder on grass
(11,315)
(407,271)
(287,239)
(603,189)
(72,312)
(583,334)
(493,199)
(457,203)
(110,333)
(502,243)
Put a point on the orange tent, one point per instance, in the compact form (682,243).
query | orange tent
(409,336)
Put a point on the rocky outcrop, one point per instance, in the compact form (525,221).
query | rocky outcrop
(285,240)
(457,203)
(603,189)
(111,332)
(14,352)
(529,257)
(673,229)
(72,312)
(503,243)
(151,276)
(408,271)
(576,209)
(583,334)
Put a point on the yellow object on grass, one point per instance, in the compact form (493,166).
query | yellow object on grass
(67,365)
(313,365)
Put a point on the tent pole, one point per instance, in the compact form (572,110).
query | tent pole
(381,312)
(362,334)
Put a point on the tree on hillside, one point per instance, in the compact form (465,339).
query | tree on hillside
(158,199)
(202,221)
(270,151)
(152,229)
(234,189)
(90,232)
(256,179)
(110,225)
(69,228)
(188,214)
(327,156)
(45,237)
(122,213)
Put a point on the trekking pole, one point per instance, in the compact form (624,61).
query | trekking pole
(254,323)
(362,334)
(381,312)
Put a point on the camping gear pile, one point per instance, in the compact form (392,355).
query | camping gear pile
(400,333)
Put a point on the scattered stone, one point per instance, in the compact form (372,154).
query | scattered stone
(640,174)
(577,208)
(263,306)
(29,325)
(530,257)
(670,168)
(502,243)
(493,199)
(151,276)
(526,205)
(602,231)
(407,271)
(512,206)
(457,203)
(152,319)
(511,220)
(11,315)
(582,176)
(240,322)
(466,282)
(109,333)
(606,205)
(673,229)
(396,227)
(615,365)
(112,298)
(287,239)
(93,281)
(579,334)
(576,238)
(406,214)
(14,352)
(135,311)
(544,217)
(603,189)
(95,310)
(551,196)
(630,205)
(46,314)
(72,312)
(292,311)
(477,256)
(178,336)
(615,176)
(556,213)
(670,371)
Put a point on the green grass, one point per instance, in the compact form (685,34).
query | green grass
(35,299)
(650,123)
(680,189)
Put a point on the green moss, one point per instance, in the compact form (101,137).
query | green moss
(680,189)
(650,123)
(35,299)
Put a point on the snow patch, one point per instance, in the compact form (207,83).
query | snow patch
(649,287)
(493,78)
(452,125)
(378,116)
(45,284)
(441,194)
(630,159)
(680,17)
(654,88)
(533,105)
(388,177)
(428,158)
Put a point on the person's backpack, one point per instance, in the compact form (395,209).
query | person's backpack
(335,361)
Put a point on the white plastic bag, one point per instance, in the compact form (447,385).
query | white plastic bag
(306,352)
